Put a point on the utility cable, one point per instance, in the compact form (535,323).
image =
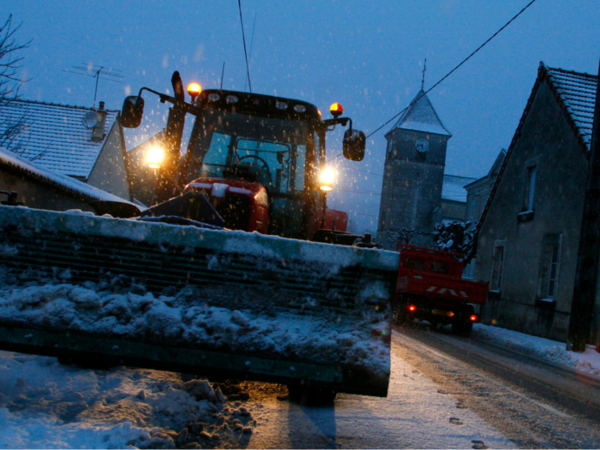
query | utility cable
(245,51)
(457,67)
(451,72)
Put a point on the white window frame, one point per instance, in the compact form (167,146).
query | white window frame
(529,189)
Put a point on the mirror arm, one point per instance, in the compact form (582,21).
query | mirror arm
(333,122)
(195,110)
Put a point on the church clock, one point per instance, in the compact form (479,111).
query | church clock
(422,145)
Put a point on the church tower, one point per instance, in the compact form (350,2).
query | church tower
(413,175)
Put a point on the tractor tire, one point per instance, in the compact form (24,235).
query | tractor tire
(311,396)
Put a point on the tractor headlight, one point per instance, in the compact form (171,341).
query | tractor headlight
(155,157)
(326,179)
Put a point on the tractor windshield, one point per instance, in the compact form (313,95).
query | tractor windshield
(271,151)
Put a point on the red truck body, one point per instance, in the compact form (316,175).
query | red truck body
(430,287)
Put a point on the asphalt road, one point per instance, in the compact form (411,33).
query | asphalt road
(445,392)
(533,403)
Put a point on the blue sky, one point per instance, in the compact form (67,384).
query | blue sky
(366,55)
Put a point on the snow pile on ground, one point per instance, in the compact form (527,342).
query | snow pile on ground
(44,404)
(119,308)
(546,349)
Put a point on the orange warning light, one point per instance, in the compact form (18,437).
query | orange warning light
(336,110)
(194,90)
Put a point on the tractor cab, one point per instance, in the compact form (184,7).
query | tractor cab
(259,159)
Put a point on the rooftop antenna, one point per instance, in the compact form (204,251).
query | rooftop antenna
(424,70)
(97,72)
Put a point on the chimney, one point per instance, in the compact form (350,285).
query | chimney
(98,133)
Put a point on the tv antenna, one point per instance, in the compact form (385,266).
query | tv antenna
(97,72)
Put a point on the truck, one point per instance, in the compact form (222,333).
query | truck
(237,269)
(430,287)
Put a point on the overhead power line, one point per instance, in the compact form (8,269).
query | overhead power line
(449,73)
(457,66)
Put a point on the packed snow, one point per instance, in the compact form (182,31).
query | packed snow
(44,404)
(547,350)
(120,308)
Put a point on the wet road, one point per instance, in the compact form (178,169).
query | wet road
(534,404)
(445,392)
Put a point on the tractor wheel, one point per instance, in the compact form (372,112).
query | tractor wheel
(311,396)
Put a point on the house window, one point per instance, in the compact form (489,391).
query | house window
(549,267)
(529,193)
(497,268)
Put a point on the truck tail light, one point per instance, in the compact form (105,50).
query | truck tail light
(412,308)
(473,318)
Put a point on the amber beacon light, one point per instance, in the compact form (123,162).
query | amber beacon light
(194,90)
(336,110)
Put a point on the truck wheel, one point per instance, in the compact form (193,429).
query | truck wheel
(462,328)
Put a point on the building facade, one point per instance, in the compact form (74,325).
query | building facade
(529,237)
(479,190)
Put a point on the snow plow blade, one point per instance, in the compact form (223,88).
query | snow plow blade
(212,302)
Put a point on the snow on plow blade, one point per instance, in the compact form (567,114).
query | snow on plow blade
(225,303)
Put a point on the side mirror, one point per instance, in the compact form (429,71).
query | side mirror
(354,145)
(132,112)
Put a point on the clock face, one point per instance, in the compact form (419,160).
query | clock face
(422,145)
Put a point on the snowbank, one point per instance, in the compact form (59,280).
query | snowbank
(545,349)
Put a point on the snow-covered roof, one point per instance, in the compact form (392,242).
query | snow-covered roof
(11,161)
(420,116)
(54,136)
(453,188)
(577,92)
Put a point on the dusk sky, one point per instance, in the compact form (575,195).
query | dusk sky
(368,56)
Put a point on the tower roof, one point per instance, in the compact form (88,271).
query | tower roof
(420,116)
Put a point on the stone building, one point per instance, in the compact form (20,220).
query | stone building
(413,175)
(479,190)
(529,237)
(82,143)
